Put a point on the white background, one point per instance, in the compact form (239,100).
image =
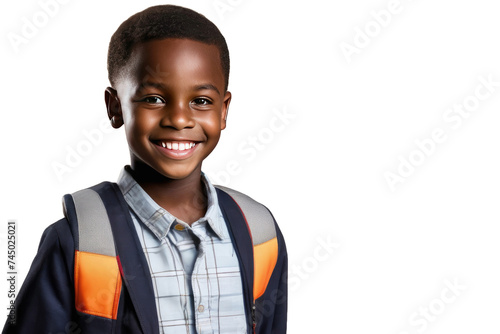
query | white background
(323,173)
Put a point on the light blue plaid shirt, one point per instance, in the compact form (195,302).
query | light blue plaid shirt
(194,269)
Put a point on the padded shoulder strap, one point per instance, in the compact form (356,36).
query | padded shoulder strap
(258,217)
(97,275)
(262,229)
(94,228)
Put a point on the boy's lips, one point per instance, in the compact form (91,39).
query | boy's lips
(176,149)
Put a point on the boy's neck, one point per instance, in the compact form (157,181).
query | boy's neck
(185,199)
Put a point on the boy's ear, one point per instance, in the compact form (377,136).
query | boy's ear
(113,107)
(225,110)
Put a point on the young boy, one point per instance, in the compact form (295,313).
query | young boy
(175,254)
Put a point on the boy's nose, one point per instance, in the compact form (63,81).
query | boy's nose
(178,117)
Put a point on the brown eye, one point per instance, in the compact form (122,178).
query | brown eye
(153,100)
(202,101)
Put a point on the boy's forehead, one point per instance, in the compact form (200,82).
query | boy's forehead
(159,58)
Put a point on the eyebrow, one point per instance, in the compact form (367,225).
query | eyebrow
(207,86)
(160,86)
(151,84)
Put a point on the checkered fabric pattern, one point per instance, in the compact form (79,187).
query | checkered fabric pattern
(194,269)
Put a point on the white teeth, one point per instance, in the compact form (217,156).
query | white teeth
(177,146)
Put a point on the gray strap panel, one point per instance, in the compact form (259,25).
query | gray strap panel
(94,228)
(258,217)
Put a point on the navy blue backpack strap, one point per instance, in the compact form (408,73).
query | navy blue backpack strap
(107,251)
(97,274)
(105,255)
(262,229)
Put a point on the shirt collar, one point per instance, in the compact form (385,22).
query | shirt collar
(159,220)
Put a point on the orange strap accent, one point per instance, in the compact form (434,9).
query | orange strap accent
(97,284)
(265,257)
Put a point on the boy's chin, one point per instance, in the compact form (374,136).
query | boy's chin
(165,173)
(179,175)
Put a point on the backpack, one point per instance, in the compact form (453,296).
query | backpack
(97,269)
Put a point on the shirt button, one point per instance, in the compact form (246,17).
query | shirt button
(201,308)
(179,227)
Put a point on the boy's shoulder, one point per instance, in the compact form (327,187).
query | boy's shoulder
(257,215)
(89,209)
(108,193)
(106,197)
(97,211)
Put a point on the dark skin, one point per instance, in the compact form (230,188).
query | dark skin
(186,198)
(173,105)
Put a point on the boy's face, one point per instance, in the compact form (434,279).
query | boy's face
(172,103)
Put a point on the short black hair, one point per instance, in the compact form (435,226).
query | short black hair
(160,22)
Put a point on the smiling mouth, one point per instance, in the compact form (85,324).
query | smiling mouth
(176,145)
